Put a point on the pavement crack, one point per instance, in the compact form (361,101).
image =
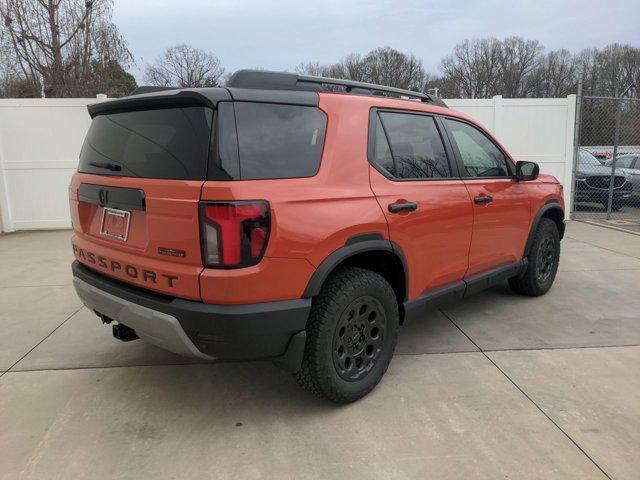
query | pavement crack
(527,396)
(40,342)
(105,367)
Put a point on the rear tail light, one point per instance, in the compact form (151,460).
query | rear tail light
(234,234)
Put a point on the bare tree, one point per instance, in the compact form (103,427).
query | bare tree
(383,66)
(611,71)
(444,86)
(474,68)
(350,67)
(311,68)
(386,66)
(555,75)
(8,72)
(353,67)
(487,67)
(512,67)
(518,60)
(185,66)
(60,44)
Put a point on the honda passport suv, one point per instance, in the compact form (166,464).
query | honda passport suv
(300,219)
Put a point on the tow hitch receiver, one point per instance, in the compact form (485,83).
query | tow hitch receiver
(124,333)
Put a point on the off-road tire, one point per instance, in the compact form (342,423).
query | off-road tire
(543,262)
(320,372)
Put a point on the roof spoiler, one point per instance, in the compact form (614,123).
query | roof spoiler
(266,80)
(161,97)
(150,89)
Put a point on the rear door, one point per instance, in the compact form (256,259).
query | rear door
(501,205)
(427,206)
(134,200)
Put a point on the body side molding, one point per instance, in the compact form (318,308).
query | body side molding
(463,288)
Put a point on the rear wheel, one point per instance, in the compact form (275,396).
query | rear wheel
(351,335)
(543,261)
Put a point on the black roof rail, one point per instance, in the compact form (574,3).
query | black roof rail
(266,80)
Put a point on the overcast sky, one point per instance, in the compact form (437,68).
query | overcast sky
(278,35)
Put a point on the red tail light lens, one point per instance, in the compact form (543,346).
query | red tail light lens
(234,234)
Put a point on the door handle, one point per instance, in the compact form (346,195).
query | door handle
(480,199)
(402,207)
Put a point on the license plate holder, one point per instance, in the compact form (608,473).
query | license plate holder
(115,223)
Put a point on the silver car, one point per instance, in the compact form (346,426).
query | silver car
(629,164)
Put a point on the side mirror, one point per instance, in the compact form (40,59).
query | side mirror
(527,171)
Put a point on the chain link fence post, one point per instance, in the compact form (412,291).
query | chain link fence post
(616,141)
(576,147)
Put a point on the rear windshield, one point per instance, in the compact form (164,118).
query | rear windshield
(161,143)
(273,141)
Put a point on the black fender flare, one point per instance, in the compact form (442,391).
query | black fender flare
(549,205)
(354,245)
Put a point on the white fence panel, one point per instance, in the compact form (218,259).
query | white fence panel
(538,130)
(40,140)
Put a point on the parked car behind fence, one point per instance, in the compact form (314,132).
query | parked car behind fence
(629,165)
(593,183)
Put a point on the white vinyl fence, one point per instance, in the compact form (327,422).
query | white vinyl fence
(40,140)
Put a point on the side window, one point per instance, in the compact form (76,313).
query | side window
(481,158)
(381,152)
(625,162)
(409,146)
(279,141)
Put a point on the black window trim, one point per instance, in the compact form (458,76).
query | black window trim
(213,142)
(371,137)
(215,160)
(458,156)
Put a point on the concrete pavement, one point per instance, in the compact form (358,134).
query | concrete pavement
(497,386)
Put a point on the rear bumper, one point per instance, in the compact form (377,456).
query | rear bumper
(230,332)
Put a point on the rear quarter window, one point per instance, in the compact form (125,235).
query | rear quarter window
(279,141)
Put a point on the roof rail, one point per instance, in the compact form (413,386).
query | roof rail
(266,80)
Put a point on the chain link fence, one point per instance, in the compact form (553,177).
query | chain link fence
(607,161)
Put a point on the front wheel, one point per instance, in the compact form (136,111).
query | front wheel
(351,335)
(543,260)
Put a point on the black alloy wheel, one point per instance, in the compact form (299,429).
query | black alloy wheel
(359,338)
(546,258)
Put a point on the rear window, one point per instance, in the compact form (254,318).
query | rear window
(161,143)
(274,141)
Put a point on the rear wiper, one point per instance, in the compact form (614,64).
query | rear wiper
(109,166)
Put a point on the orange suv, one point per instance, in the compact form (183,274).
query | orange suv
(301,219)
